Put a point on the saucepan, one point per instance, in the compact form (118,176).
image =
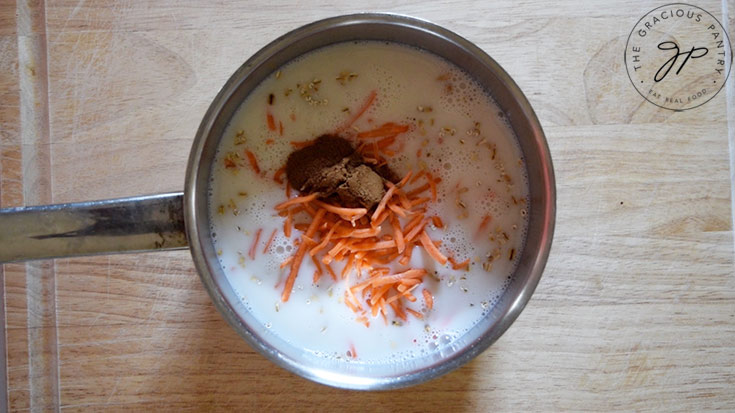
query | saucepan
(180,220)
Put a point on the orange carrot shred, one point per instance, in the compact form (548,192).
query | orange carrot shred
(349,214)
(253,248)
(387,129)
(485,220)
(385,142)
(415,313)
(300,256)
(271,122)
(437,222)
(278,174)
(280,128)
(348,267)
(331,272)
(301,144)
(325,241)
(405,179)
(431,248)
(287,261)
(428,299)
(270,241)
(419,201)
(398,210)
(360,111)
(417,176)
(418,190)
(317,265)
(381,205)
(414,232)
(287,225)
(253,161)
(400,244)
(459,265)
(297,200)
(432,184)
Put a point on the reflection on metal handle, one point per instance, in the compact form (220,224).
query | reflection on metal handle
(145,223)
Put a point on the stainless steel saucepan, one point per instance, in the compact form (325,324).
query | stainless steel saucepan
(178,220)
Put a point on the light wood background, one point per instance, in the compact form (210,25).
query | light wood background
(636,309)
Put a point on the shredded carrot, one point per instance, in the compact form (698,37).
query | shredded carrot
(253,248)
(403,199)
(406,255)
(387,129)
(428,299)
(271,122)
(388,279)
(348,267)
(459,265)
(300,256)
(385,142)
(412,193)
(301,144)
(419,201)
(485,220)
(415,313)
(325,241)
(286,261)
(269,141)
(360,111)
(396,209)
(280,128)
(358,233)
(294,201)
(318,268)
(253,161)
(431,248)
(414,232)
(331,272)
(381,205)
(295,264)
(349,214)
(417,176)
(270,241)
(278,174)
(400,244)
(368,249)
(287,225)
(405,179)
(370,246)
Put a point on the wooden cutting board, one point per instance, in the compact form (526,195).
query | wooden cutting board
(636,308)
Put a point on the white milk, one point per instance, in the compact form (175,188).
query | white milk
(463,139)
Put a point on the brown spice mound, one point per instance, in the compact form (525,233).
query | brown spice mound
(331,167)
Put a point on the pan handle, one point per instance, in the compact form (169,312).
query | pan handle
(143,223)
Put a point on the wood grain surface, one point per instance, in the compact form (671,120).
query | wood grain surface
(636,308)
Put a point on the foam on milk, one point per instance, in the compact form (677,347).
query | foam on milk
(453,146)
